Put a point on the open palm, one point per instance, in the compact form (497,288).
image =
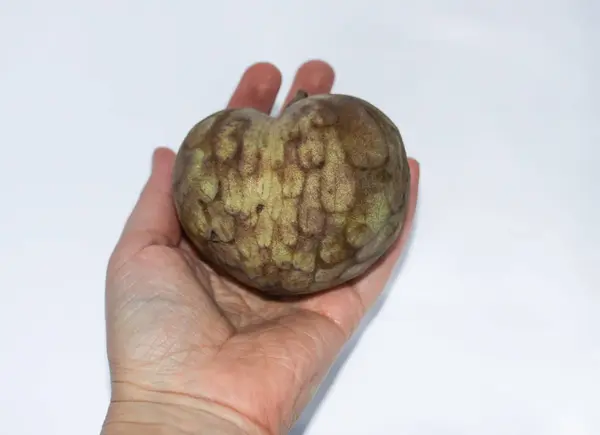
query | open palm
(181,334)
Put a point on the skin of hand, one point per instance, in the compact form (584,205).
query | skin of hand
(192,352)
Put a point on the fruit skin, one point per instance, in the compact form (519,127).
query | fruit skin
(296,204)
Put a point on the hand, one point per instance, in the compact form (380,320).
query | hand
(189,349)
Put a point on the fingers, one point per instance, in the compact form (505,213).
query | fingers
(257,89)
(314,77)
(260,84)
(153,220)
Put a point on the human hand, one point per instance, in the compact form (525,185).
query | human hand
(193,352)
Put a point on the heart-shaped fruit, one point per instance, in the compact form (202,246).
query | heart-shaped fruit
(293,204)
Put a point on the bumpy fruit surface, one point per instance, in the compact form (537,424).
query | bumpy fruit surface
(293,204)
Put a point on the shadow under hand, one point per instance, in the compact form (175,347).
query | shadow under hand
(312,408)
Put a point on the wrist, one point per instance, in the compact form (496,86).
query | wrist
(161,419)
(154,413)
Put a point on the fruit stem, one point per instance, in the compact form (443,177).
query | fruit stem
(300,95)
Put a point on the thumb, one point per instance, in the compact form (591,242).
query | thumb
(153,220)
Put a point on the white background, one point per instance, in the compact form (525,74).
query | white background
(492,326)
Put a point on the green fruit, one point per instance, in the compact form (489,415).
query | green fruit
(294,204)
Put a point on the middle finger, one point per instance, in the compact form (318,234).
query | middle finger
(257,88)
(313,77)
